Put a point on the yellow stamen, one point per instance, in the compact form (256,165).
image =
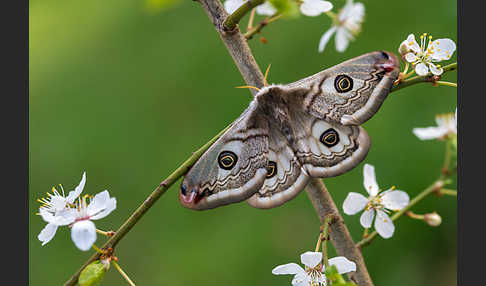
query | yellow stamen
(265,83)
(248,86)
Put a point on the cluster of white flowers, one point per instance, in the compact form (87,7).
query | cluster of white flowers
(446,127)
(313,274)
(424,56)
(346,25)
(76,212)
(379,203)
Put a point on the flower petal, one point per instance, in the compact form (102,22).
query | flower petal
(383,224)
(342,264)
(302,279)
(354,203)
(232,5)
(435,70)
(346,11)
(325,38)
(101,205)
(367,218)
(63,217)
(442,49)
(311,259)
(412,43)
(77,191)
(355,16)
(369,181)
(421,69)
(395,200)
(342,39)
(429,132)
(83,234)
(289,268)
(266,9)
(47,233)
(315,7)
(411,57)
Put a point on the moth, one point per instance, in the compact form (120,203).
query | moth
(291,133)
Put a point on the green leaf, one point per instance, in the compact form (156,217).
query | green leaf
(92,274)
(287,8)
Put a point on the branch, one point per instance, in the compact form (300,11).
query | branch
(421,79)
(338,233)
(322,201)
(233,19)
(235,42)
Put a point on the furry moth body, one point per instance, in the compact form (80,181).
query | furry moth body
(291,133)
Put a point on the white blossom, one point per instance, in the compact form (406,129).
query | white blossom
(314,8)
(83,230)
(55,210)
(446,126)
(424,56)
(313,274)
(346,26)
(377,203)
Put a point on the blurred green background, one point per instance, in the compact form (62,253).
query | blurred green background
(127,92)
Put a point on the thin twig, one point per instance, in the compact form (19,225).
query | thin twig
(123,274)
(146,205)
(232,20)
(422,79)
(258,28)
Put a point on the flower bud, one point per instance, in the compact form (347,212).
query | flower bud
(403,49)
(433,219)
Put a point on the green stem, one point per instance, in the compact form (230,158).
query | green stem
(446,83)
(105,233)
(97,249)
(123,274)
(250,33)
(448,192)
(232,20)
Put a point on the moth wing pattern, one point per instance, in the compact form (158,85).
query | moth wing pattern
(285,175)
(351,92)
(327,149)
(233,168)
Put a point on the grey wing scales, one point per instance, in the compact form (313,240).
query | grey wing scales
(285,175)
